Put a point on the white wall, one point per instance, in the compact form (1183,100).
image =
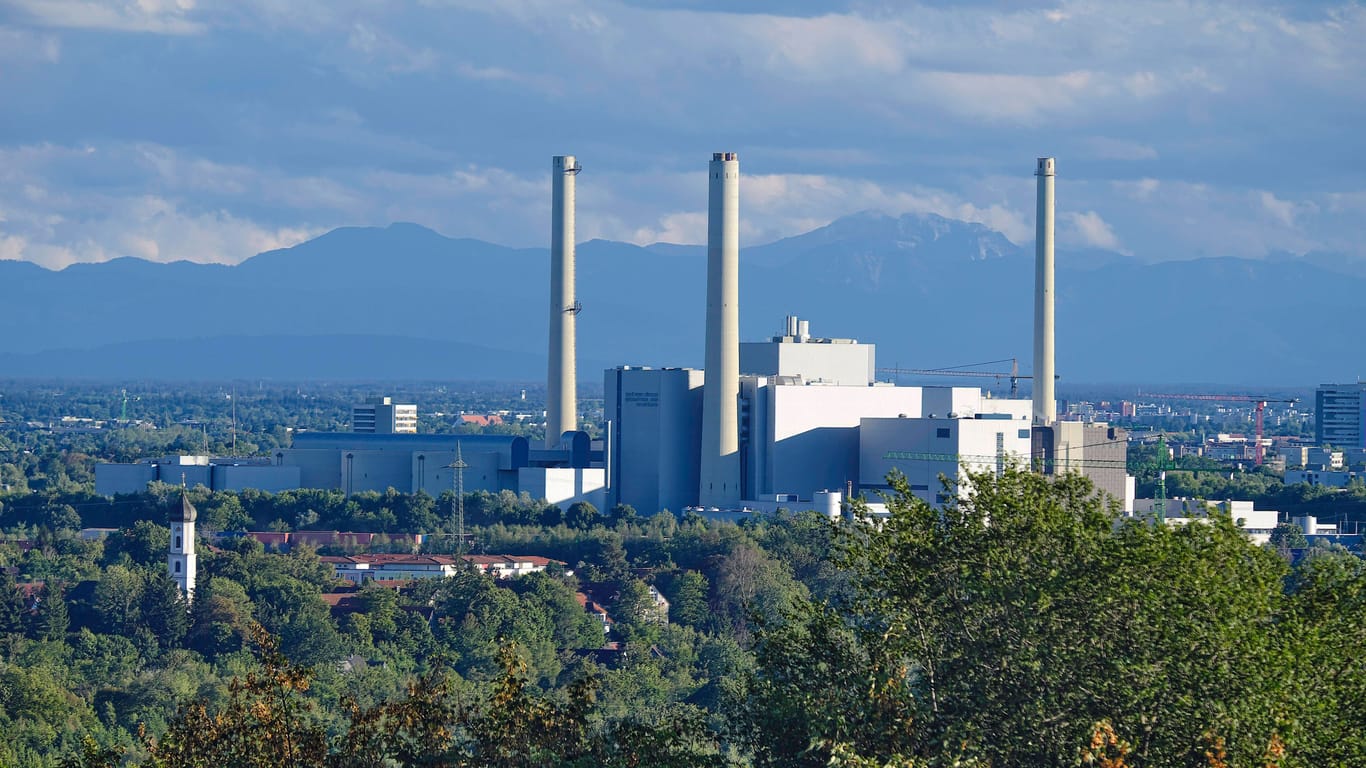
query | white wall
(932,447)
(811,434)
(844,364)
(564,485)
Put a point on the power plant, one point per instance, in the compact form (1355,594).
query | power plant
(796,420)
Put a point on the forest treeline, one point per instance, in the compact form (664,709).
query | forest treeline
(1025,625)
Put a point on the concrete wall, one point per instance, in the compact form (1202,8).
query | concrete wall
(848,364)
(123,478)
(133,478)
(923,449)
(1097,451)
(268,479)
(811,434)
(565,485)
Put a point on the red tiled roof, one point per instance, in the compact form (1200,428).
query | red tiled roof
(31,589)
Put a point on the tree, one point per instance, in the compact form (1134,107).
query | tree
(266,722)
(12,604)
(688,600)
(143,543)
(582,515)
(624,513)
(118,600)
(220,617)
(164,610)
(51,620)
(1287,536)
(1007,624)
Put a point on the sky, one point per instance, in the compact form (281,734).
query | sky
(211,130)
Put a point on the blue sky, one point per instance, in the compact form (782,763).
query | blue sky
(210,130)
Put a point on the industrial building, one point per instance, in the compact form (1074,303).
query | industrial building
(217,474)
(791,420)
(410,463)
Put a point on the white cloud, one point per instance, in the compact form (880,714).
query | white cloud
(675,227)
(389,53)
(1283,211)
(1105,148)
(999,96)
(1346,202)
(1093,231)
(903,108)
(27,45)
(774,206)
(170,17)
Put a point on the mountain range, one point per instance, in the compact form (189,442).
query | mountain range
(404,302)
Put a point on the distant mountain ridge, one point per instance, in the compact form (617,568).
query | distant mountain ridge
(405,302)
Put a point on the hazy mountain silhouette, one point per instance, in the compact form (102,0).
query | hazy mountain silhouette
(405,302)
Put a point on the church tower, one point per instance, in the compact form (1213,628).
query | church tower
(180,559)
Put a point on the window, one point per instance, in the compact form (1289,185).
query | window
(1024,434)
(177,542)
(942,432)
(177,566)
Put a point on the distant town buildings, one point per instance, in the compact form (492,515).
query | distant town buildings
(393,567)
(1256,523)
(382,416)
(1340,415)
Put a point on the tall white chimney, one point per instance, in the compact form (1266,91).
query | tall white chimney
(1045,406)
(561,406)
(720,460)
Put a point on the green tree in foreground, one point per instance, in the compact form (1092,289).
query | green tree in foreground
(1001,629)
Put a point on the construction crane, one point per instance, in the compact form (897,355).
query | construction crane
(1260,402)
(957,370)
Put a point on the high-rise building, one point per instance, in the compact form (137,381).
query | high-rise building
(1340,415)
(382,416)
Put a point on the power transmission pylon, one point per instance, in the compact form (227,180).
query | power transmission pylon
(458,480)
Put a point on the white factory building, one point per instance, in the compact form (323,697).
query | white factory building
(812,419)
(793,419)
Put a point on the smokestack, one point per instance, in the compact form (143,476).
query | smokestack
(720,460)
(1045,406)
(561,407)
